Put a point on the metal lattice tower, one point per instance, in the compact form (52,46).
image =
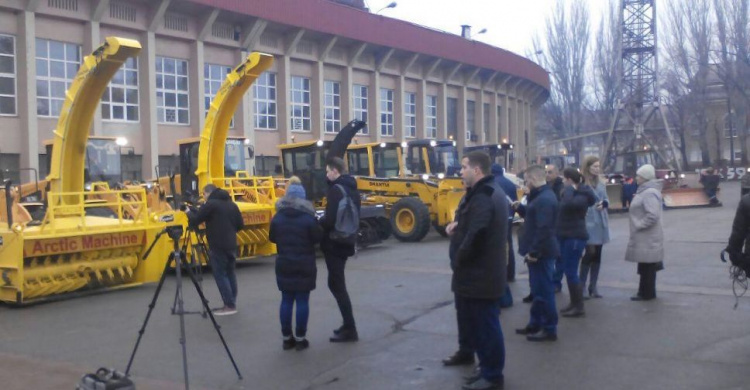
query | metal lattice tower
(639,98)
(638,52)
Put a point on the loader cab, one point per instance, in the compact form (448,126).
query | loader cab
(306,160)
(499,153)
(433,157)
(386,159)
(101,160)
(234,161)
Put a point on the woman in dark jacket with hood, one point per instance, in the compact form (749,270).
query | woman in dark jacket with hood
(575,200)
(295,231)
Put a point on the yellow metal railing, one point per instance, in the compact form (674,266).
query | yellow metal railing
(260,190)
(128,206)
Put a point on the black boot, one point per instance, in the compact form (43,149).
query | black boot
(576,301)
(542,335)
(528,299)
(460,358)
(571,305)
(346,335)
(288,343)
(593,292)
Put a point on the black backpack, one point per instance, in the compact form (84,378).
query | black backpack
(347,220)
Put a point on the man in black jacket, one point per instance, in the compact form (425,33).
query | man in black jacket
(336,252)
(739,241)
(540,249)
(223,220)
(478,253)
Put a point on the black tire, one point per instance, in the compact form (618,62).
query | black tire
(414,209)
(441,230)
(384,228)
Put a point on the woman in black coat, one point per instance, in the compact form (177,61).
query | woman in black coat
(295,231)
(575,201)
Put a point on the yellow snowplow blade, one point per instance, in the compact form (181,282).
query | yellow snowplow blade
(676,198)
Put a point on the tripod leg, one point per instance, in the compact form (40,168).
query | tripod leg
(213,320)
(148,315)
(181,311)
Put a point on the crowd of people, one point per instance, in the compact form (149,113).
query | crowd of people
(565,227)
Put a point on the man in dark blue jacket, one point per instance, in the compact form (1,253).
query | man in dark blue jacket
(540,249)
(337,252)
(510,191)
(223,220)
(478,254)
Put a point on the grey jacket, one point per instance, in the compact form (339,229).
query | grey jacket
(646,244)
(597,221)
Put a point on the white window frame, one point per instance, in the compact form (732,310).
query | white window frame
(121,82)
(44,64)
(410,115)
(162,77)
(11,76)
(386,112)
(299,107)
(332,106)
(431,116)
(361,105)
(212,85)
(264,95)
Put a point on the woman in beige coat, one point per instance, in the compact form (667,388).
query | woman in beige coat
(646,244)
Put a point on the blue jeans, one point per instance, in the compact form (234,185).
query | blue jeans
(487,336)
(543,310)
(222,266)
(571,250)
(511,253)
(288,298)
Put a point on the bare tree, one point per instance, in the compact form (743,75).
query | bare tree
(605,75)
(565,54)
(732,65)
(688,45)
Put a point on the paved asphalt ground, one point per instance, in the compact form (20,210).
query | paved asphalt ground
(689,338)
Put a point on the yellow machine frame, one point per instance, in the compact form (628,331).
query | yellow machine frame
(255,196)
(73,250)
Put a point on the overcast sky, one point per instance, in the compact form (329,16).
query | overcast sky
(510,24)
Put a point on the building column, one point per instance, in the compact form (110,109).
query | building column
(317,95)
(399,122)
(505,118)
(421,109)
(282,100)
(26,52)
(373,111)
(92,40)
(347,106)
(461,113)
(442,112)
(197,84)
(494,133)
(149,120)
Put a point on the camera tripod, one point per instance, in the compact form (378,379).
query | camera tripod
(197,251)
(178,256)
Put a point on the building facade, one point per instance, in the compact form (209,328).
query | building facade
(333,63)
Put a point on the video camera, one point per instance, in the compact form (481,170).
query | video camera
(174,232)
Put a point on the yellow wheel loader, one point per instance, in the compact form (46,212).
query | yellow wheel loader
(416,196)
(73,249)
